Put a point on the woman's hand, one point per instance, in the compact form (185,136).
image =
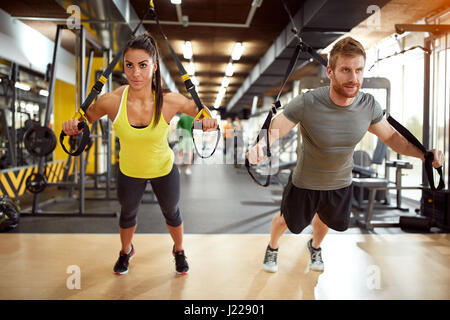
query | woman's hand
(70,127)
(208,124)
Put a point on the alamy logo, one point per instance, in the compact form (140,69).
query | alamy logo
(73,22)
(373,280)
(74,280)
(374,21)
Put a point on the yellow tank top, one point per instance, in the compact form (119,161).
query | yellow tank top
(144,152)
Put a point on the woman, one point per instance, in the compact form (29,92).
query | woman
(140,113)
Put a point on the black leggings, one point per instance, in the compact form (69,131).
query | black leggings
(167,190)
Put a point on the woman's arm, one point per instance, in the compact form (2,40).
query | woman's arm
(99,108)
(95,111)
(181,104)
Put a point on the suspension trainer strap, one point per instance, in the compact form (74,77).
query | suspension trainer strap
(427,154)
(190,87)
(95,91)
(266,125)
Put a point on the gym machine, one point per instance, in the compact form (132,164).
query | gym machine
(79,180)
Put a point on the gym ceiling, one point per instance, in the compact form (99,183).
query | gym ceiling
(214,26)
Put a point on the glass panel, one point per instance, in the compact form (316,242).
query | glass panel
(405,73)
(412,117)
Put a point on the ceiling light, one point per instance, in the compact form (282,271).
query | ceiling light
(225,82)
(187,50)
(237,51)
(257,3)
(217,102)
(222,91)
(176,1)
(22,86)
(43,92)
(219,97)
(229,70)
(190,69)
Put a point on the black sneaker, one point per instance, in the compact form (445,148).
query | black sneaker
(181,264)
(121,266)
(270,260)
(316,258)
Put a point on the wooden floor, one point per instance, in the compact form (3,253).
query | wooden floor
(413,266)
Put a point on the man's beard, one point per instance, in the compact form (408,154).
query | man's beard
(340,88)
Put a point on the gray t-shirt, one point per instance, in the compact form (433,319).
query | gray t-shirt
(330,134)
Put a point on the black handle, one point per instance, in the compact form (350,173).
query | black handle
(84,139)
(429,157)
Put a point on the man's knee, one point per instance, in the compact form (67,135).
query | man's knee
(279,220)
(317,223)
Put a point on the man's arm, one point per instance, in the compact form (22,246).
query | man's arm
(395,140)
(279,127)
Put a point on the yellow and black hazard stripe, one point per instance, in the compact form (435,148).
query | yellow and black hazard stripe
(13,181)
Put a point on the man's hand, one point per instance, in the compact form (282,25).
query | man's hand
(256,154)
(438,160)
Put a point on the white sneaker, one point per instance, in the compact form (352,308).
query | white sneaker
(316,263)
(270,260)
(188,171)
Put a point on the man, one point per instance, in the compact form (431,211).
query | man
(332,121)
(185,144)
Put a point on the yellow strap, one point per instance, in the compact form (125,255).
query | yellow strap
(204,112)
(185,77)
(151,4)
(80,115)
(103,79)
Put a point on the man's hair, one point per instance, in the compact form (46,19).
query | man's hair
(346,47)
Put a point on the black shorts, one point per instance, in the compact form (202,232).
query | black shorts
(166,189)
(298,207)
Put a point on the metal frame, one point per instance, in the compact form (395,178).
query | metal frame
(436,29)
(107,56)
(81,95)
(367,223)
(426,106)
(11,144)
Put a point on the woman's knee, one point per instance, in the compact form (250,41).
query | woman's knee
(128,218)
(127,222)
(173,217)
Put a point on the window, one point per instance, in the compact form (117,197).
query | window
(405,73)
